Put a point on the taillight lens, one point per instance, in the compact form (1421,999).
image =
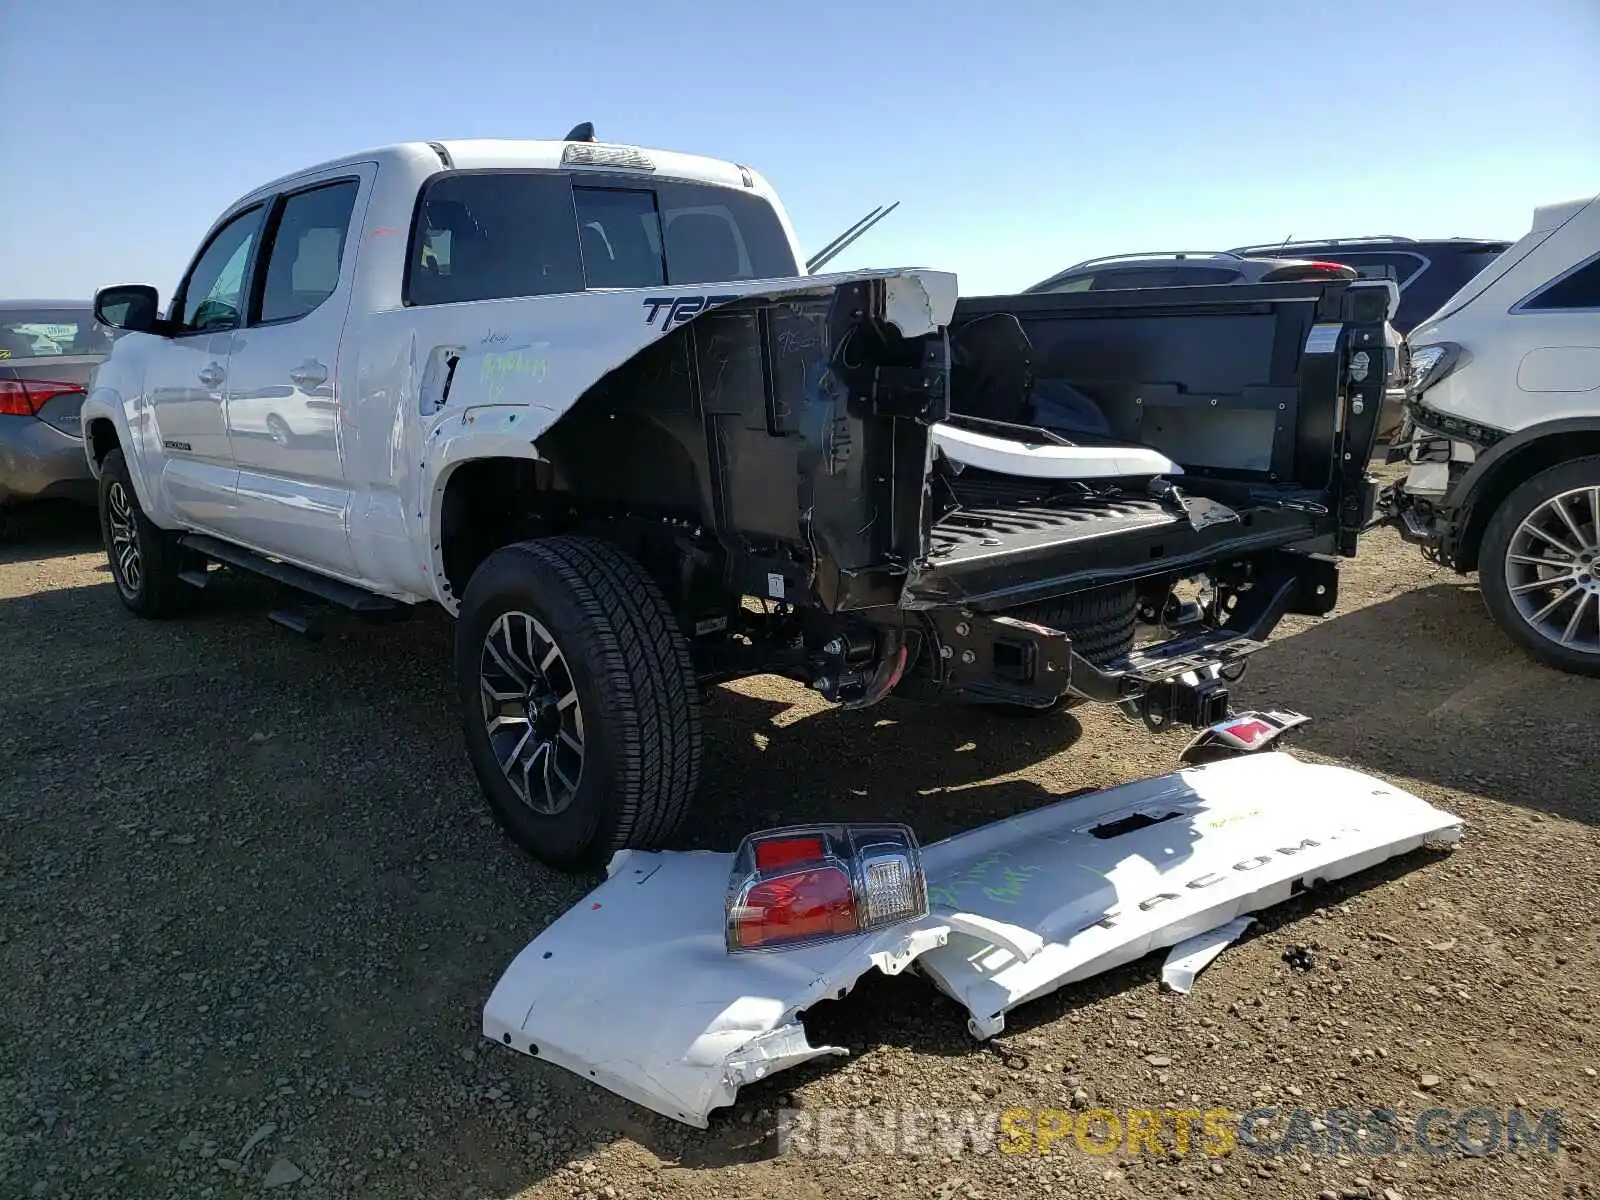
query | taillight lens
(802,907)
(781,852)
(26,397)
(809,884)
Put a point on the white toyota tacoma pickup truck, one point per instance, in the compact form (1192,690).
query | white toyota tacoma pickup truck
(585,398)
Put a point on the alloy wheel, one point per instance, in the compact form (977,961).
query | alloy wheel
(531,712)
(125,555)
(1552,569)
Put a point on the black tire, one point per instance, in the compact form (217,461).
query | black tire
(153,589)
(1101,624)
(629,666)
(1498,536)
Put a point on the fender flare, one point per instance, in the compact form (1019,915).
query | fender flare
(103,404)
(1470,516)
(482,432)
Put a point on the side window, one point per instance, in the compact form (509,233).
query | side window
(620,234)
(1398,267)
(1201,276)
(493,235)
(306,250)
(718,234)
(1078,283)
(213,295)
(1143,277)
(1580,289)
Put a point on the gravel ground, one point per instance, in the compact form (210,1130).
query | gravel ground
(250,907)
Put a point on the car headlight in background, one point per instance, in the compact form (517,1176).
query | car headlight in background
(1429,364)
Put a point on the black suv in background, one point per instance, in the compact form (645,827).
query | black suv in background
(1428,272)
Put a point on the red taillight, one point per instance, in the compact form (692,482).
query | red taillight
(782,852)
(812,883)
(816,903)
(26,397)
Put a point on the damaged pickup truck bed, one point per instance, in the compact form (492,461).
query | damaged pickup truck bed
(583,397)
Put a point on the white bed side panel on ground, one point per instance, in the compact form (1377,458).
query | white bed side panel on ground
(634,990)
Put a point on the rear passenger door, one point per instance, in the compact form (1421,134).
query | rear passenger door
(283,399)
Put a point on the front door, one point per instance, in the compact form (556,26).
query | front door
(282,401)
(187,373)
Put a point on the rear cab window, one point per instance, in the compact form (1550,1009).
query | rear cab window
(504,233)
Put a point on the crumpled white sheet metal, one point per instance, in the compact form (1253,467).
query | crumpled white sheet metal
(1188,958)
(634,990)
(1049,460)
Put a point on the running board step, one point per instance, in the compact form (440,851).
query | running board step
(197,577)
(343,594)
(302,619)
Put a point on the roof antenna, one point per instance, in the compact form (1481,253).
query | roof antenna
(581,133)
(841,243)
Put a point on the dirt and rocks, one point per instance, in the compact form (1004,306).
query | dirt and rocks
(251,905)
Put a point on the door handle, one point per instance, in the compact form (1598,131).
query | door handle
(309,374)
(212,375)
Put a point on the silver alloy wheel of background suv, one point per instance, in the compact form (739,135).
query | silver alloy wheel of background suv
(1552,569)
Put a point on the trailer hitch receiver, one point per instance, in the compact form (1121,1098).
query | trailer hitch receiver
(1000,659)
(1193,700)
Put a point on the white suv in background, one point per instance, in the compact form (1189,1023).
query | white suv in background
(1503,436)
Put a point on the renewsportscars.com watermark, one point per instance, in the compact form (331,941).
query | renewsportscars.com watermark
(1374,1132)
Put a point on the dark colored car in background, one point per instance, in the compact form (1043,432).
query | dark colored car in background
(1427,272)
(48,352)
(1182,268)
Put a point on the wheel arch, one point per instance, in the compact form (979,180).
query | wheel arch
(100,439)
(491,488)
(1507,466)
(479,505)
(105,428)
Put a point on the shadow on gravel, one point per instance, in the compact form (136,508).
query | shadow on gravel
(1426,687)
(33,532)
(935,767)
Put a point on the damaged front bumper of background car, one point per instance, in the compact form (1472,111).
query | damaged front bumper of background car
(636,989)
(1431,504)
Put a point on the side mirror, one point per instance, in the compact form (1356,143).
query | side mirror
(131,306)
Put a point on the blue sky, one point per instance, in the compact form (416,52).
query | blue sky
(1019,136)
